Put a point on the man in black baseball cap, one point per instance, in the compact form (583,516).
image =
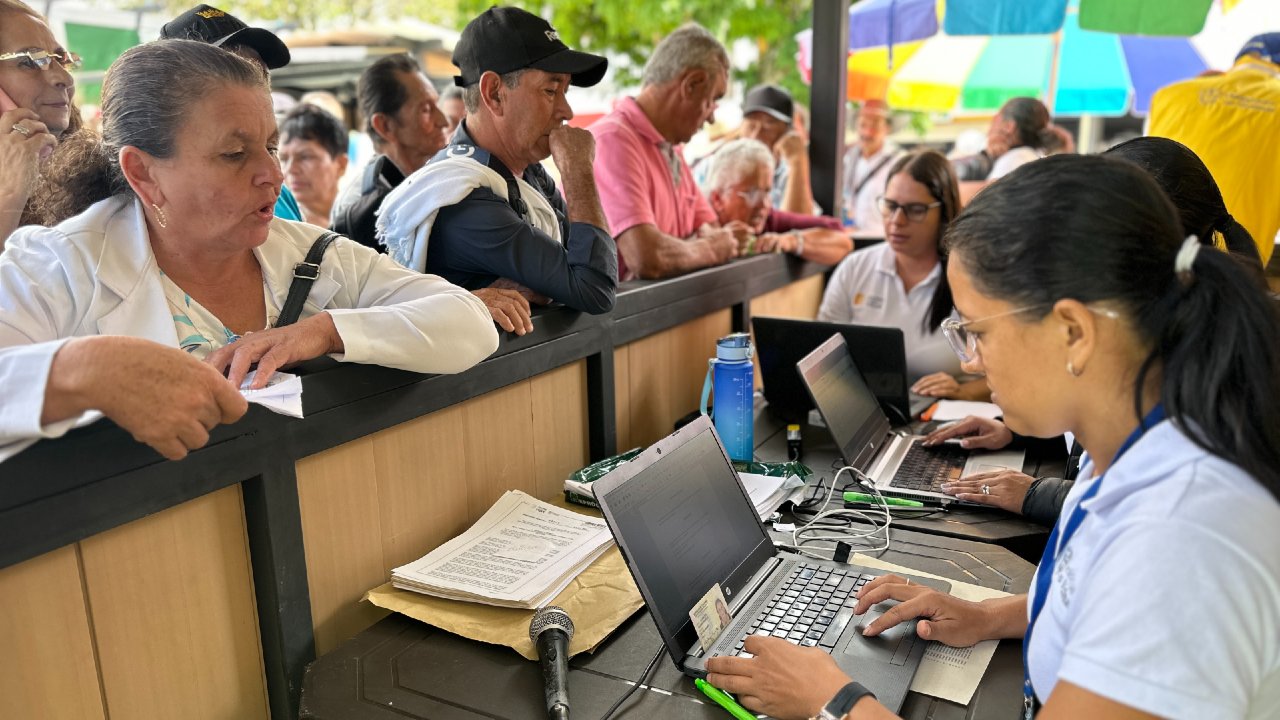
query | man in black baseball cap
(504,39)
(767,116)
(485,207)
(208,24)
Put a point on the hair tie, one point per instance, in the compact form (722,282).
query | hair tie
(1185,258)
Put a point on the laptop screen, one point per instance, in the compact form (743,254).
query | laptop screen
(685,523)
(848,406)
(878,351)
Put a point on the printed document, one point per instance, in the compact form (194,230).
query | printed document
(521,554)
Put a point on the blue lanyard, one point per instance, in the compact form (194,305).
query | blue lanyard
(1044,572)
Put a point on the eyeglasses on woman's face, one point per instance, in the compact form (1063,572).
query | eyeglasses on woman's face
(43,59)
(915,212)
(964,342)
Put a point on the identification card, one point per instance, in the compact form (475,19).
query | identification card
(710,616)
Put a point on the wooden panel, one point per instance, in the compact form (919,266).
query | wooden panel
(498,446)
(560,443)
(798,300)
(46,647)
(422,491)
(666,372)
(622,396)
(172,606)
(342,534)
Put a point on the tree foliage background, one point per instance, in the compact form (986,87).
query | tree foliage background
(628,28)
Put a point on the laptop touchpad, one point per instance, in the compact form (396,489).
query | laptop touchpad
(892,646)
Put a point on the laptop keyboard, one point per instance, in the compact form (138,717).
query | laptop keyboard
(927,468)
(811,608)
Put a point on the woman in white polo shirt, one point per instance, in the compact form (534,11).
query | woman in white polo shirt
(902,282)
(1089,312)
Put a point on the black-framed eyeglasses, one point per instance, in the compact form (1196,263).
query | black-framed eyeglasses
(916,212)
(42,59)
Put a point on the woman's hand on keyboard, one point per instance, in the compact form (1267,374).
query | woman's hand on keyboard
(973,432)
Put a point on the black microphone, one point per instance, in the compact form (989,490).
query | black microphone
(551,630)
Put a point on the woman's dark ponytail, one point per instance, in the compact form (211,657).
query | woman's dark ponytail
(1238,240)
(1217,344)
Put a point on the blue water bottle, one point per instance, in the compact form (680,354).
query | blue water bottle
(734,377)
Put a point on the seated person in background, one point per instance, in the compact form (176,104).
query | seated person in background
(1018,134)
(36,90)
(208,24)
(484,210)
(182,250)
(663,224)
(739,179)
(866,169)
(453,107)
(768,115)
(401,117)
(313,156)
(902,282)
(1089,313)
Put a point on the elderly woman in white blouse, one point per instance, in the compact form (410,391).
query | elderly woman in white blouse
(184,256)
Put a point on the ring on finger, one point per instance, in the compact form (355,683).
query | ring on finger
(20,129)
(986,489)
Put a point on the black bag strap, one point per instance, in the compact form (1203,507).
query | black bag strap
(304,275)
(513,188)
(883,161)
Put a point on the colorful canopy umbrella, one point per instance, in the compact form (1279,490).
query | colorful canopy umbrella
(1075,71)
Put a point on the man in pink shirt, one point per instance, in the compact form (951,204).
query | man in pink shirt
(662,223)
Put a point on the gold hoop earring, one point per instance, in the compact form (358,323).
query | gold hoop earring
(1071,368)
(161,220)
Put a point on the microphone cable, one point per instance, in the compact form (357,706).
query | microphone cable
(644,677)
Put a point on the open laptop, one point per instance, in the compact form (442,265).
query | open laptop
(896,463)
(879,351)
(684,522)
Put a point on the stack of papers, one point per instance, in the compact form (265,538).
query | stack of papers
(283,393)
(521,554)
(768,493)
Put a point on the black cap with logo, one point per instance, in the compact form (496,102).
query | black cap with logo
(505,39)
(208,24)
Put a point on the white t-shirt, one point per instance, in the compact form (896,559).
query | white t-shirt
(865,290)
(861,208)
(1167,599)
(1012,160)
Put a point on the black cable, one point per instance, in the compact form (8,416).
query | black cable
(644,677)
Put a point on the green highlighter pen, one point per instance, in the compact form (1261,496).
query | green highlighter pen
(873,500)
(722,699)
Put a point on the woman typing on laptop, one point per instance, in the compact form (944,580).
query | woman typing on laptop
(1089,312)
(902,282)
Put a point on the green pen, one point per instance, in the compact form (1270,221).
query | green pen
(723,699)
(873,500)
